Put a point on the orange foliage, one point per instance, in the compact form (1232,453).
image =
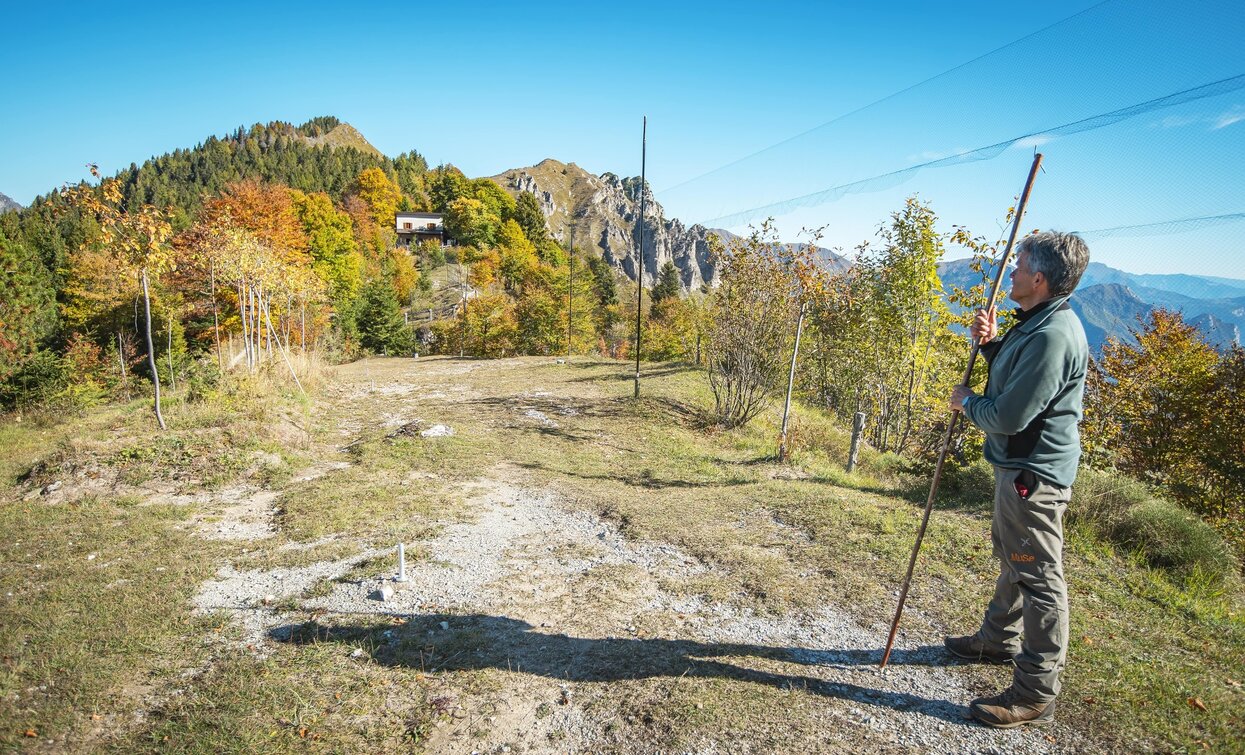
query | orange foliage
(266,211)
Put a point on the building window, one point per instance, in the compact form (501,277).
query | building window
(432,226)
(406,226)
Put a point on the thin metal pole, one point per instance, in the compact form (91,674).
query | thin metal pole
(639,276)
(946,441)
(570,293)
(462,329)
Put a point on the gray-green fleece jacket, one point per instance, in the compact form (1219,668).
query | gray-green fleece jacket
(1032,402)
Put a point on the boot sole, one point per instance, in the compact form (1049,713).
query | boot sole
(1014,724)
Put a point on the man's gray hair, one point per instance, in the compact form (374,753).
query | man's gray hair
(1060,257)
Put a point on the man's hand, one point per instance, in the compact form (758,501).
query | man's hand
(958,394)
(985,326)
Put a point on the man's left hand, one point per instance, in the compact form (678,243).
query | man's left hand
(958,394)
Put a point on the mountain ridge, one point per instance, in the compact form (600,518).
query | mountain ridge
(605,211)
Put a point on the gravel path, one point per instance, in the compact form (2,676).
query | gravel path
(527,573)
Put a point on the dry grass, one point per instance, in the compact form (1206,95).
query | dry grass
(89,642)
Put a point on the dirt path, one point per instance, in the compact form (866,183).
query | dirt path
(563,612)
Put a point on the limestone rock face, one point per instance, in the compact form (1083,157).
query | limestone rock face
(606,212)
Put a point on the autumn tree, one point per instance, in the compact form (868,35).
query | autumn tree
(518,260)
(491,326)
(1146,397)
(332,245)
(379,193)
(880,342)
(470,222)
(136,237)
(752,318)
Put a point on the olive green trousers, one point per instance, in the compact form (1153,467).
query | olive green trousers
(1028,615)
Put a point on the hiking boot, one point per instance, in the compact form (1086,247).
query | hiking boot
(971,648)
(1009,710)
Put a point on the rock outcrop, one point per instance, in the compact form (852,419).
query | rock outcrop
(605,210)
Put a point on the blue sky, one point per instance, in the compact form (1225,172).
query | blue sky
(491,86)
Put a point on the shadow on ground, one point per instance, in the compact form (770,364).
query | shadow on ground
(473,642)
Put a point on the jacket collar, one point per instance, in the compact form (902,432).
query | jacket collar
(1043,313)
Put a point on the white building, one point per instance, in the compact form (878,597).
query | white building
(417,227)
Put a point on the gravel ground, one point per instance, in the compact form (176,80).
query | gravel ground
(527,571)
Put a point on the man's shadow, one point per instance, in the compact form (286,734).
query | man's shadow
(478,641)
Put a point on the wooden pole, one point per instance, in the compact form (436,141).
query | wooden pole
(858,427)
(968,374)
(639,274)
(786,410)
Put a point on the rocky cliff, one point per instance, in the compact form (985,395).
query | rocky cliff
(7,204)
(605,211)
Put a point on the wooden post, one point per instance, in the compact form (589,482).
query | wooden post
(786,411)
(858,427)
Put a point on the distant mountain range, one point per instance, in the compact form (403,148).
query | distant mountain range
(7,204)
(1110,301)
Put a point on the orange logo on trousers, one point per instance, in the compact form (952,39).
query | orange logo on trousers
(1023,558)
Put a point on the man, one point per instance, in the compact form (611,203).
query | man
(1029,412)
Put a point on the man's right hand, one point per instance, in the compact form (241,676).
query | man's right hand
(985,326)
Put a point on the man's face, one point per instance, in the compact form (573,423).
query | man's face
(1022,279)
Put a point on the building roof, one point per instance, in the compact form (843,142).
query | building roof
(429,215)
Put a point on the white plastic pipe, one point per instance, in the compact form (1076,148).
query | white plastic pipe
(401,563)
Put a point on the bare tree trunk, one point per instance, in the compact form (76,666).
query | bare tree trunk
(302,325)
(168,326)
(243,318)
(289,366)
(151,351)
(216,321)
(121,359)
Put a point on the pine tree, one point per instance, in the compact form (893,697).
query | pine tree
(667,283)
(382,328)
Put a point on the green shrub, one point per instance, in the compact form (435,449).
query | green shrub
(39,380)
(1175,540)
(203,379)
(1102,499)
(971,482)
(1124,511)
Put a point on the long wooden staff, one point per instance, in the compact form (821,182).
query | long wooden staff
(968,374)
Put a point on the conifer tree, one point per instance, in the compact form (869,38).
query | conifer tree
(667,283)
